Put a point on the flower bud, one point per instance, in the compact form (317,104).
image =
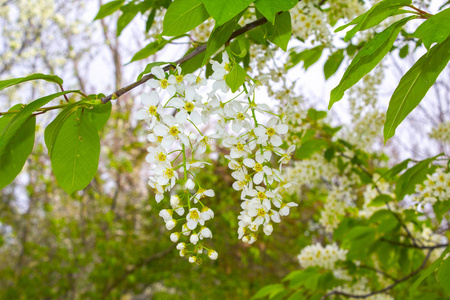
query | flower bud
(194,238)
(174,237)
(171,224)
(212,254)
(181,246)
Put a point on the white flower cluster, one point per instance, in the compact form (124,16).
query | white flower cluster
(324,257)
(309,21)
(174,132)
(347,9)
(441,133)
(253,148)
(435,188)
(175,121)
(201,33)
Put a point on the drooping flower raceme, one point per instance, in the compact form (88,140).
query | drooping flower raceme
(176,119)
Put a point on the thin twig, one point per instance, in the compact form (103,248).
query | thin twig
(379,272)
(185,58)
(422,266)
(414,246)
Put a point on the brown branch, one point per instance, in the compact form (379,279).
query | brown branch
(379,272)
(396,282)
(185,58)
(414,246)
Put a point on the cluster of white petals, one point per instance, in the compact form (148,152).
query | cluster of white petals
(324,257)
(178,114)
(435,188)
(441,133)
(175,112)
(256,159)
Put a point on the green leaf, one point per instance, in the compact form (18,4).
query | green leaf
(386,219)
(270,8)
(396,169)
(427,272)
(52,129)
(444,275)
(404,51)
(308,56)
(316,114)
(16,122)
(366,59)
(224,10)
(149,67)
(10,82)
(150,19)
(18,149)
(236,77)
(148,50)
(76,152)
(333,62)
(414,85)
(280,32)
(358,240)
(307,278)
(239,47)
(219,37)
(108,9)
(192,64)
(298,295)
(406,183)
(183,16)
(99,115)
(380,200)
(310,147)
(374,16)
(268,290)
(129,12)
(434,30)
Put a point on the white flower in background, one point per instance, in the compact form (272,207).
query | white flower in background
(317,255)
